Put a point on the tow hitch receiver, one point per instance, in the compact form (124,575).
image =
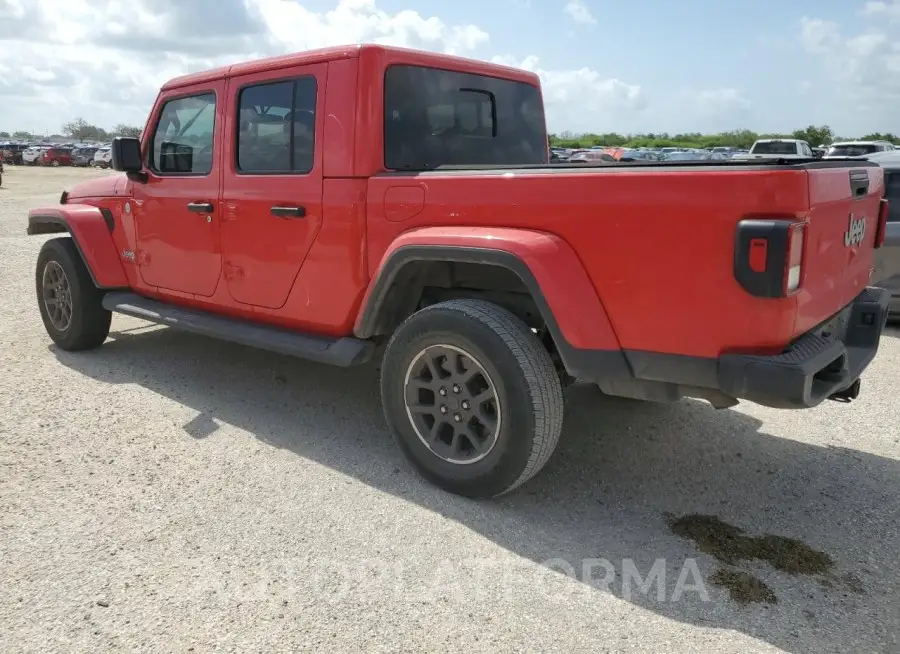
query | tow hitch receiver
(848,394)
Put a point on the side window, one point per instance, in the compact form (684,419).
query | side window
(277,127)
(183,140)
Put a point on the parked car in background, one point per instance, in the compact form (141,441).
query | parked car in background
(690,156)
(83,156)
(102,157)
(779,149)
(591,156)
(641,155)
(11,153)
(31,155)
(887,257)
(56,157)
(857,149)
(1,172)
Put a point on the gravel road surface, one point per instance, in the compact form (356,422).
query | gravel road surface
(171,493)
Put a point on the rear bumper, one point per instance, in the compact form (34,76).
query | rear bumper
(823,362)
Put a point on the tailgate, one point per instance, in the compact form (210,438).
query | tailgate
(844,200)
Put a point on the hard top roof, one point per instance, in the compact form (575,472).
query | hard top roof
(322,55)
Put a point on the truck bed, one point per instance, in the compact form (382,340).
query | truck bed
(658,238)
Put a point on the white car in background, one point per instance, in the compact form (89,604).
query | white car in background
(102,158)
(31,155)
(858,149)
(778,149)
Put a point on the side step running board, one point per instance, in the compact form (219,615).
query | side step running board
(335,351)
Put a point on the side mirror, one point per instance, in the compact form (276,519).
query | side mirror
(126,154)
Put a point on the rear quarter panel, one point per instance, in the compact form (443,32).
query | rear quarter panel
(657,243)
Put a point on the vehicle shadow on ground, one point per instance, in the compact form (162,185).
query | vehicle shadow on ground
(621,467)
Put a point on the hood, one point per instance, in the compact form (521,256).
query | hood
(106,186)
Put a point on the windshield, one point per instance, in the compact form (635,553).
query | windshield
(775,147)
(852,150)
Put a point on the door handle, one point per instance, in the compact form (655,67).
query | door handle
(289,212)
(200,207)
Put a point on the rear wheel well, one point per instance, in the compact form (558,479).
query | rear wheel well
(419,284)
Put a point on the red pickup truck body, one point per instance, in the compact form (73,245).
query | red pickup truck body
(723,280)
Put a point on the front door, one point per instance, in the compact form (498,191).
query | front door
(272,181)
(176,210)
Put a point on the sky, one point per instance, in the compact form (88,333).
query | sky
(605,65)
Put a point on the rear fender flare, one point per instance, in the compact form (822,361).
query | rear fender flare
(546,264)
(91,230)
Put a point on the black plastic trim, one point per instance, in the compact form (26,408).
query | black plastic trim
(859,182)
(342,352)
(108,219)
(593,365)
(819,365)
(567,168)
(770,282)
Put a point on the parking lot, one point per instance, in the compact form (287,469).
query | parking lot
(168,492)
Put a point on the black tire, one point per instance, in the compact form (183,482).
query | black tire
(527,413)
(88,323)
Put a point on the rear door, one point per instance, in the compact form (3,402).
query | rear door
(272,181)
(887,258)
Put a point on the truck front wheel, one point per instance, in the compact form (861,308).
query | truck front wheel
(472,397)
(71,306)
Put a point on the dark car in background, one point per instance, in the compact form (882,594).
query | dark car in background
(11,153)
(887,257)
(83,156)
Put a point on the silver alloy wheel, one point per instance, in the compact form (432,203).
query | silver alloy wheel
(57,296)
(452,404)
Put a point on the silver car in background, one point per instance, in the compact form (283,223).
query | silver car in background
(887,257)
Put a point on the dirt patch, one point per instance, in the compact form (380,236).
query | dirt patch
(731,545)
(744,588)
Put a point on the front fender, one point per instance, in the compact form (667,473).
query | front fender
(545,263)
(90,228)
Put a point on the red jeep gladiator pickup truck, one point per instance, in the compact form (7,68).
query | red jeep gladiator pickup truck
(325,203)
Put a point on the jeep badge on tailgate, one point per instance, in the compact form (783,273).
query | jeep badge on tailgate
(855,232)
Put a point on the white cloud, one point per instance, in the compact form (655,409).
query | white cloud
(582,100)
(104,60)
(889,9)
(579,12)
(863,69)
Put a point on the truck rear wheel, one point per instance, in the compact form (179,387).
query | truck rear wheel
(472,397)
(70,305)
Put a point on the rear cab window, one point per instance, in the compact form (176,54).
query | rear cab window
(435,117)
(854,150)
(184,135)
(776,147)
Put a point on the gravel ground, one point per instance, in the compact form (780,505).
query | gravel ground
(170,493)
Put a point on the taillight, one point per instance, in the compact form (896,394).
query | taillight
(768,256)
(794,258)
(882,223)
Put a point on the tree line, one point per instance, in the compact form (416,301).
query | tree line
(79,130)
(815,135)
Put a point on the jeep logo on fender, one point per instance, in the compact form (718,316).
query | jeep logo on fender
(856,232)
